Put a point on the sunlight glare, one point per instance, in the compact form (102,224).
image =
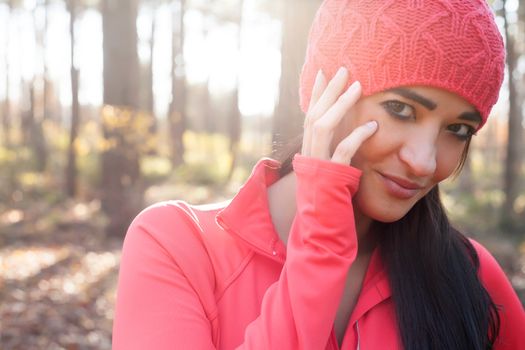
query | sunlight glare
(12,217)
(90,58)
(197,69)
(20,264)
(222,47)
(260,65)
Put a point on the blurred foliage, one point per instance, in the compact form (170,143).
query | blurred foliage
(126,127)
(155,168)
(477,211)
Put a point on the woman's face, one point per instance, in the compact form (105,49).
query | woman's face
(422,134)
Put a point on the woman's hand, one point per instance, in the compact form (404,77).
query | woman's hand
(328,105)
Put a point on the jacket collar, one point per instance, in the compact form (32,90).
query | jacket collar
(376,287)
(247,216)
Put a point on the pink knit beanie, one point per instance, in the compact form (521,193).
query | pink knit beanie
(449,44)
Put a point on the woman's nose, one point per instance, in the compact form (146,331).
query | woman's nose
(419,153)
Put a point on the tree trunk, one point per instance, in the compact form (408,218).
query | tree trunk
(288,117)
(71,170)
(37,139)
(210,125)
(45,98)
(122,192)
(6,118)
(234,131)
(235,122)
(515,132)
(151,92)
(177,108)
(35,132)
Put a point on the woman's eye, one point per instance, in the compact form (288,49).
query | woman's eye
(399,109)
(462,131)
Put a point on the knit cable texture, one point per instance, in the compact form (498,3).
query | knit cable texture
(450,44)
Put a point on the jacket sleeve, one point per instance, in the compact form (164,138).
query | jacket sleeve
(511,312)
(299,310)
(158,308)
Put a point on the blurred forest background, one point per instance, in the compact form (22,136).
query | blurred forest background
(107,106)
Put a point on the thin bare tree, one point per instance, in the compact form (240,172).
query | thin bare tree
(288,117)
(71,168)
(6,117)
(37,139)
(121,187)
(514,160)
(235,121)
(151,93)
(177,107)
(45,93)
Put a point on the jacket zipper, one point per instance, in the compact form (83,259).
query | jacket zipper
(357,329)
(334,339)
(335,346)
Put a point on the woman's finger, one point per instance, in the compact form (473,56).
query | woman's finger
(348,147)
(323,128)
(319,86)
(318,89)
(328,95)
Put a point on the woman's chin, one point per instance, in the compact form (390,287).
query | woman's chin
(381,212)
(387,219)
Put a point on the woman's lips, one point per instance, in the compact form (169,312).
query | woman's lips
(399,187)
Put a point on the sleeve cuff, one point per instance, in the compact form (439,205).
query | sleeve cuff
(346,174)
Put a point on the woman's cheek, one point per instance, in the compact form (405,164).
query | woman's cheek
(446,163)
(344,129)
(358,115)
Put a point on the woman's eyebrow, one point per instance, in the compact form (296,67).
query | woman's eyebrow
(429,104)
(471,116)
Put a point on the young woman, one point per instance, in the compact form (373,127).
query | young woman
(345,243)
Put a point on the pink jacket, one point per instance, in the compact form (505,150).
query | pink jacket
(218,276)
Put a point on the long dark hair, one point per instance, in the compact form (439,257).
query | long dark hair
(432,268)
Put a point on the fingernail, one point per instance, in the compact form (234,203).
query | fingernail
(372,124)
(341,71)
(354,86)
(319,75)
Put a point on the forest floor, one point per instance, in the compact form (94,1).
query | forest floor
(58,272)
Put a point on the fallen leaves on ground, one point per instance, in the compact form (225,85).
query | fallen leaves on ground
(58,275)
